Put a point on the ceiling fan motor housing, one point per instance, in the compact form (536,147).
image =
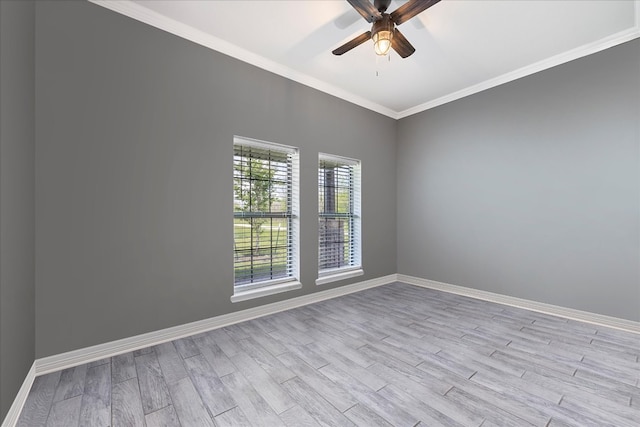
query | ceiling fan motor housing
(381,5)
(383,24)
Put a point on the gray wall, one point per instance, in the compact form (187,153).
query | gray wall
(134,170)
(531,189)
(17,299)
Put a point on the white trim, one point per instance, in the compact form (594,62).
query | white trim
(339,275)
(339,159)
(274,286)
(568,313)
(21,398)
(142,14)
(89,354)
(579,52)
(263,145)
(354,268)
(263,291)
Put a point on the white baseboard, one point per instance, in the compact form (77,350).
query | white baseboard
(18,403)
(568,313)
(81,356)
(89,354)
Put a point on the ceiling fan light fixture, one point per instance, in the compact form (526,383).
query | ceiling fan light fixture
(382,42)
(382,35)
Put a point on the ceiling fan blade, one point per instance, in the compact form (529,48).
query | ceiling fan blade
(352,43)
(366,9)
(401,45)
(410,9)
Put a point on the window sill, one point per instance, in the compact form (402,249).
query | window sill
(265,290)
(339,275)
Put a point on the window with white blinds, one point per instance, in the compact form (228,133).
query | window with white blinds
(339,216)
(265,187)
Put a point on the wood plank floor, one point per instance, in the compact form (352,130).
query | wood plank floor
(395,355)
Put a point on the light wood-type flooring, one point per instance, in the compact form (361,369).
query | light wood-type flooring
(396,355)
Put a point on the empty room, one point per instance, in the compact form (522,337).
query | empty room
(320,213)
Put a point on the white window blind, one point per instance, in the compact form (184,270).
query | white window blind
(265,184)
(339,214)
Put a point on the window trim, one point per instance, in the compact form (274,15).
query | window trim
(248,291)
(262,291)
(339,274)
(355,269)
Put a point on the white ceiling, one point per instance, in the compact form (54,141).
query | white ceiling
(462,46)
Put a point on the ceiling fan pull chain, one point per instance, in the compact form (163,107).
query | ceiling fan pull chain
(382,64)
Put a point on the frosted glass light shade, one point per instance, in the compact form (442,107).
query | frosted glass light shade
(382,42)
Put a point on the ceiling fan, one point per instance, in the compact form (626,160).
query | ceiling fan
(384,33)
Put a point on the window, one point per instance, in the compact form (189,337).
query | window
(339,219)
(265,226)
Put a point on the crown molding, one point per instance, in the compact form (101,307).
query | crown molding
(147,16)
(579,52)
